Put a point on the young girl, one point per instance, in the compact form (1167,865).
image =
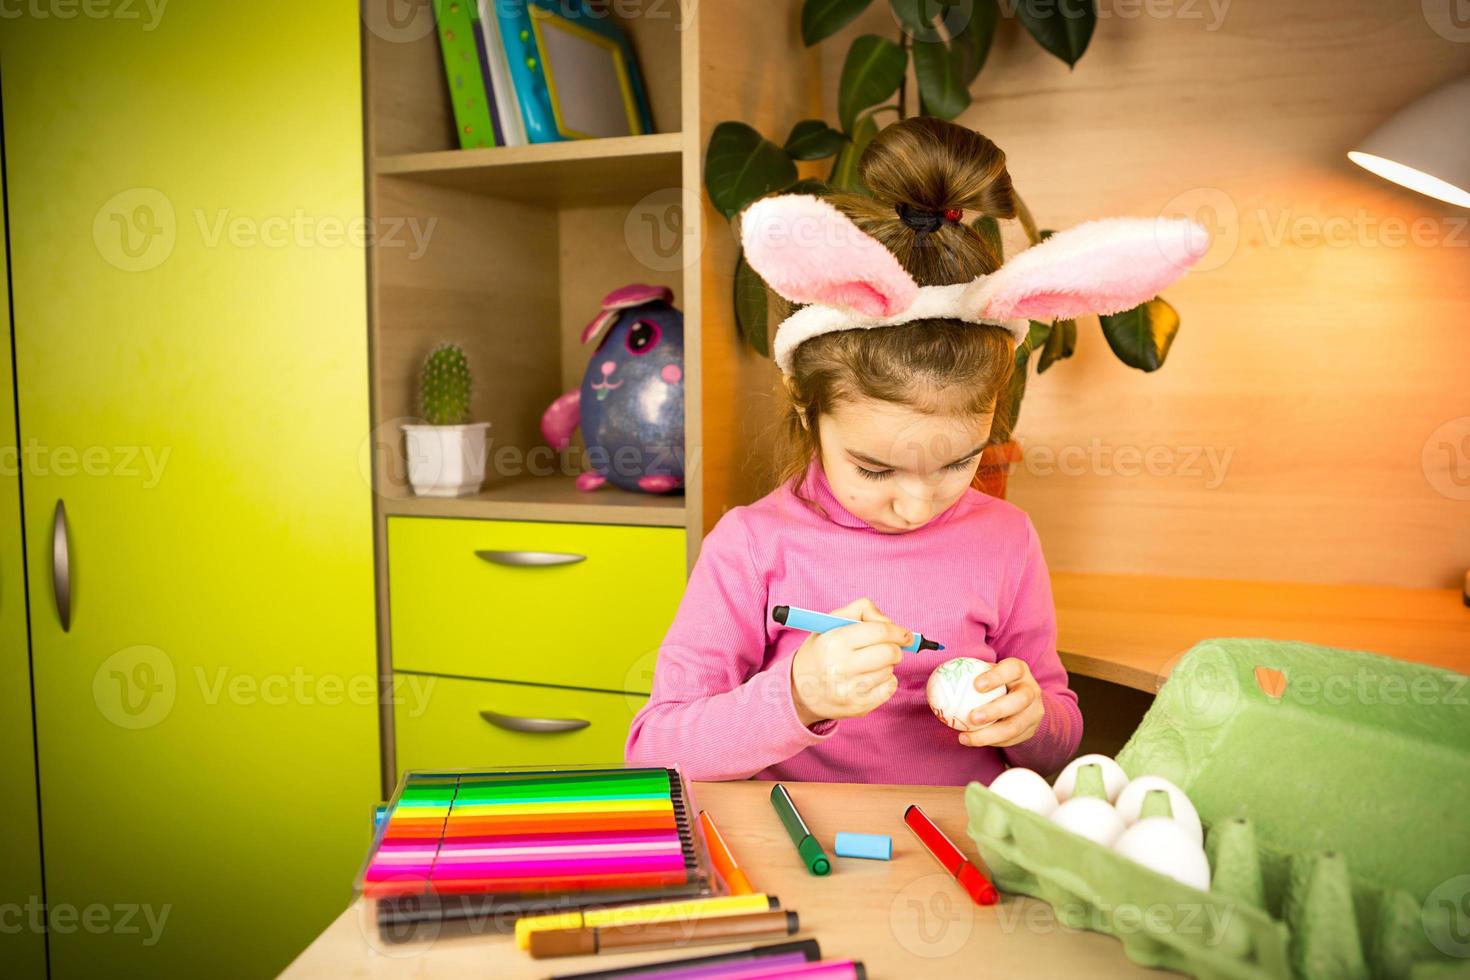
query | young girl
(874,517)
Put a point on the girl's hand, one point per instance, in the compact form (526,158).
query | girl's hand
(848,671)
(1014,716)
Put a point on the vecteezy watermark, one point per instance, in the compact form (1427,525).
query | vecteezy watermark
(1445,458)
(657,234)
(1446,917)
(126,462)
(1209,920)
(928,920)
(138,229)
(137,687)
(1360,229)
(1366,686)
(148,12)
(1210,464)
(97,919)
(1450,19)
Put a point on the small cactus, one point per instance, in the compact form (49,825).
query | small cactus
(444,390)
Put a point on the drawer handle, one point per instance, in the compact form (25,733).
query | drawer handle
(530,559)
(534,726)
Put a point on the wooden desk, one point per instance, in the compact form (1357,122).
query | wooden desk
(1131,629)
(903,918)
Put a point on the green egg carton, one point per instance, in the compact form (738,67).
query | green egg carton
(1334,786)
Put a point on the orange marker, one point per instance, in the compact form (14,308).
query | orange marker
(719,853)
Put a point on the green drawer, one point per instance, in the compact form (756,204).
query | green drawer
(467,599)
(449,723)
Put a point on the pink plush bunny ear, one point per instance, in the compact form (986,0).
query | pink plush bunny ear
(809,252)
(1104,266)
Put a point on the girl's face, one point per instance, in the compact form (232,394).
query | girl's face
(898,468)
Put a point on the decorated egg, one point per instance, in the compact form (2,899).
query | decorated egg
(952,694)
(1130,804)
(1114,778)
(1164,845)
(1091,817)
(1026,789)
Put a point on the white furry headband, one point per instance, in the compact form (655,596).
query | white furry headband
(809,252)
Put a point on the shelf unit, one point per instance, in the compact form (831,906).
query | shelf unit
(508,252)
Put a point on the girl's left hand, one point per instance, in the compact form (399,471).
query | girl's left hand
(1014,716)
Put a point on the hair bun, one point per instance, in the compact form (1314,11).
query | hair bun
(934,165)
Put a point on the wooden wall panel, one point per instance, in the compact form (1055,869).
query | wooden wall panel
(1324,359)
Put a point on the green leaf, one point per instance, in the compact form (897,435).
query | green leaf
(845,174)
(812,139)
(989,228)
(740,165)
(872,72)
(1142,336)
(1062,27)
(820,19)
(916,17)
(941,90)
(971,26)
(1060,343)
(752,309)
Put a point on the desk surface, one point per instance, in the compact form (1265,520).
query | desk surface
(903,918)
(1131,629)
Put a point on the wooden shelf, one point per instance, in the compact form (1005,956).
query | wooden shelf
(571,174)
(548,498)
(1132,629)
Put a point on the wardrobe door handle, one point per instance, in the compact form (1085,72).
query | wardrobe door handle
(530,559)
(534,726)
(61,565)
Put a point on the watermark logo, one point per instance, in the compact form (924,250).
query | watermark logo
(1446,459)
(1446,917)
(1450,19)
(657,234)
(135,230)
(927,918)
(399,21)
(135,687)
(149,12)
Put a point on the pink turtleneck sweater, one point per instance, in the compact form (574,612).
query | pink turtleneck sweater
(973,578)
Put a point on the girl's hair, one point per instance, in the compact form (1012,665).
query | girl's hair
(935,366)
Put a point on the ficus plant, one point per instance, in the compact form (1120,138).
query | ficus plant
(946,42)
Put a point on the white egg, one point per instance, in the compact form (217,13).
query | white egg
(1091,817)
(1114,778)
(1026,789)
(952,694)
(1165,846)
(1130,804)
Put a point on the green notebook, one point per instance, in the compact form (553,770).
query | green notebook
(458,41)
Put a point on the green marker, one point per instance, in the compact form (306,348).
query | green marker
(806,845)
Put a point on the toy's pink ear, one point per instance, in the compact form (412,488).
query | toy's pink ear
(809,252)
(1105,266)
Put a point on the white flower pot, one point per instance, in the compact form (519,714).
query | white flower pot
(446,460)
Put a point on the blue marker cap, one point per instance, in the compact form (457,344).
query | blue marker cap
(877,847)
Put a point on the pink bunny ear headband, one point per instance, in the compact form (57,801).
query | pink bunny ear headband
(810,252)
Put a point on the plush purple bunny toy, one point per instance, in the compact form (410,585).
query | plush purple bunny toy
(631,403)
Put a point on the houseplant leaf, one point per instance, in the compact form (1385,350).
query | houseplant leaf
(1062,27)
(1060,344)
(821,19)
(1142,336)
(752,310)
(812,139)
(872,72)
(740,165)
(916,17)
(845,174)
(971,27)
(941,90)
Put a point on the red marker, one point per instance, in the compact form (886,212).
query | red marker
(971,878)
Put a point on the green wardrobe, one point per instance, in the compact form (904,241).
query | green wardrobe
(186,554)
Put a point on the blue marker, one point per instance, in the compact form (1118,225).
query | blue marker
(815,622)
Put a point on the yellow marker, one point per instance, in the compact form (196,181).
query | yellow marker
(695,908)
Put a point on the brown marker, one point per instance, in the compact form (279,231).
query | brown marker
(645,935)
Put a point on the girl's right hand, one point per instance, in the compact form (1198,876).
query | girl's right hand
(848,671)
